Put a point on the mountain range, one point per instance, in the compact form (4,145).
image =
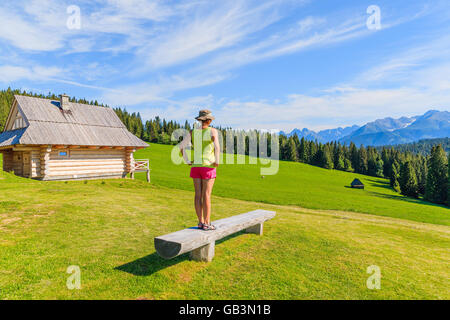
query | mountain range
(387,131)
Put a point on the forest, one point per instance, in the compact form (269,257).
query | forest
(422,146)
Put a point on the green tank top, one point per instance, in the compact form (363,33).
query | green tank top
(204,156)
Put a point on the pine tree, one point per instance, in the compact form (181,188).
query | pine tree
(372,158)
(303,151)
(354,157)
(437,181)
(408,181)
(283,148)
(387,163)
(379,168)
(348,165)
(448,182)
(363,166)
(292,150)
(326,159)
(312,152)
(339,162)
(422,172)
(393,179)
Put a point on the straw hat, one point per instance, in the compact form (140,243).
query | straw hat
(205,115)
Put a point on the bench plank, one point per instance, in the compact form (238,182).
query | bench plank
(187,240)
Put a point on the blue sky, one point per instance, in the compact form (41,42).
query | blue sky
(256,64)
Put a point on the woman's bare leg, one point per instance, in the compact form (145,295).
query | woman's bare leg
(207,186)
(198,199)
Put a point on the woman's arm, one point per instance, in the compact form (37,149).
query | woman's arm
(215,139)
(183,145)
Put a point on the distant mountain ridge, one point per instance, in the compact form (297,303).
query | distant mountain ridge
(388,131)
(324,135)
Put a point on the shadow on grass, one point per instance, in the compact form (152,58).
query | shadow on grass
(153,263)
(407,199)
(150,264)
(379,184)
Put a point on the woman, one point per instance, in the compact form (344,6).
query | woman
(206,146)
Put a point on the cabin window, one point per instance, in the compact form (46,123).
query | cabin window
(63,154)
(18,123)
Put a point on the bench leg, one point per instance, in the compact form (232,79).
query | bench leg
(256,229)
(205,253)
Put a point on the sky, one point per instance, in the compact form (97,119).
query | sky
(275,64)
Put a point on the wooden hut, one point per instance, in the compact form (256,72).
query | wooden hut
(60,140)
(357,184)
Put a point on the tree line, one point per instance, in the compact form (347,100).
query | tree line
(422,146)
(155,130)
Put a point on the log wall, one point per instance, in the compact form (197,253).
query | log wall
(17,165)
(84,163)
(129,159)
(7,160)
(62,163)
(35,162)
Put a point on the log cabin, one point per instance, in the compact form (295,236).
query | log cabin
(357,184)
(60,140)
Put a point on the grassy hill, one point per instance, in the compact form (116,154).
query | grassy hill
(107,229)
(297,184)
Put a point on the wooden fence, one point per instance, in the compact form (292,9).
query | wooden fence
(141,165)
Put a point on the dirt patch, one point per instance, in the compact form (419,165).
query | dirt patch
(10,220)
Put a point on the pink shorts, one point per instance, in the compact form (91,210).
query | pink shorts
(203,173)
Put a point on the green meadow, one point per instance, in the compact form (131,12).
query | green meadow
(296,184)
(319,245)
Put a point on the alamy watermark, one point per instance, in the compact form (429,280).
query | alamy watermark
(74,20)
(374,20)
(262,147)
(74,280)
(374,281)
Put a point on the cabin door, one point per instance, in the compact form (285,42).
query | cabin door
(26,168)
(18,163)
(21,163)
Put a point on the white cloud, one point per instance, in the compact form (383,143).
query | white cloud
(40,25)
(222,25)
(12,73)
(9,73)
(220,66)
(290,41)
(23,34)
(159,91)
(356,106)
(399,67)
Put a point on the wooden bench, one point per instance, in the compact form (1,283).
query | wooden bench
(200,244)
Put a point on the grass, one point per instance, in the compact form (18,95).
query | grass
(299,185)
(107,229)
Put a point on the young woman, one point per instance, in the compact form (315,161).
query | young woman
(206,146)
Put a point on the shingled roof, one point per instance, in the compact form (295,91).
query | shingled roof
(75,124)
(357,182)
